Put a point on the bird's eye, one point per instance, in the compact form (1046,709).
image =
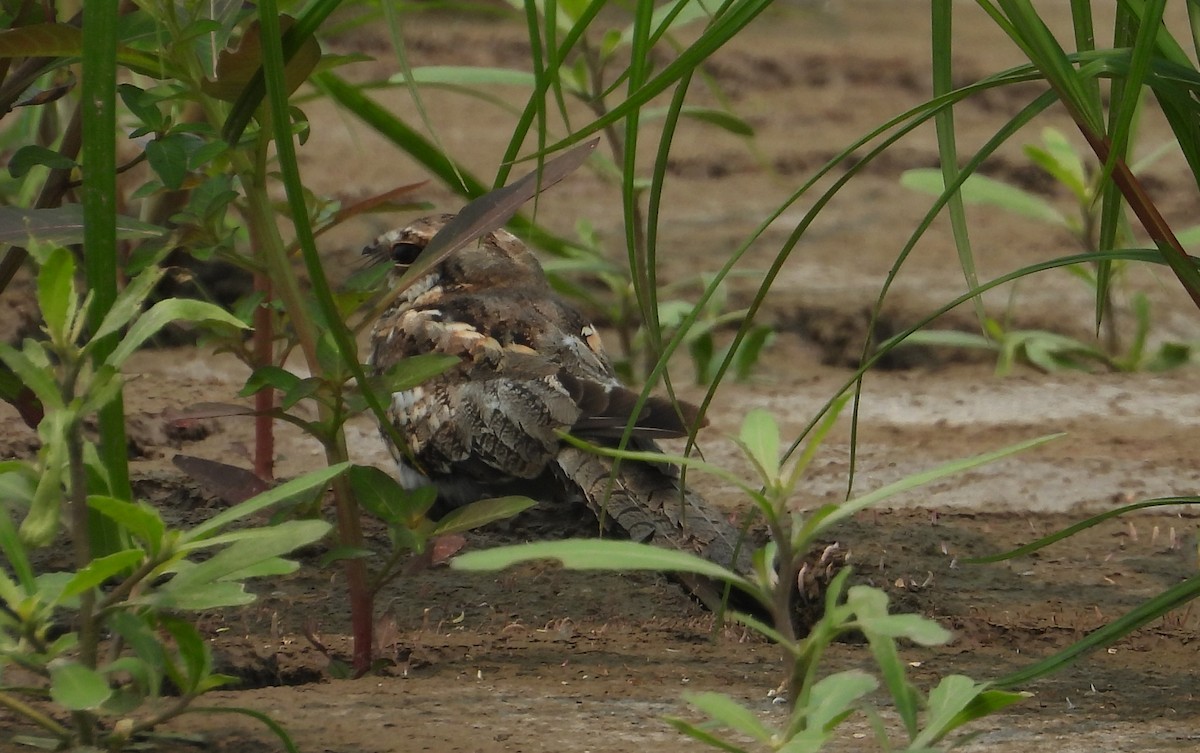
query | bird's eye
(405,253)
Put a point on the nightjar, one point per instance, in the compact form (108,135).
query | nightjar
(530,365)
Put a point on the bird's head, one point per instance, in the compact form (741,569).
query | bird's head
(498,258)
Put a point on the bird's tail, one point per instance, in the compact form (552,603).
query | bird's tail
(645,502)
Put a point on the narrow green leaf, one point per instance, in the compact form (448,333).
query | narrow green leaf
(32,155)
(759,438)
(982,190)
(914,627)
(269,376)
(702,735)
(168,157)
(466,75)
(163,313)
(101,569)
(722,119)
(34,377)
(382,495)
(192,648)
(269,542)
(139,518)
(16,554)
(41,522)
(224,593)
(587,554)
(919,479)
(835,695)
(75,687)
(413,371)
(57,297)
(284,491)
(273,566)
(128,302)
(958,700)
(729,713)
(480,513)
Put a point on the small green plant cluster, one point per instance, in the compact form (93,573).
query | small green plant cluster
(782,569)
(99,634)
(1051,351)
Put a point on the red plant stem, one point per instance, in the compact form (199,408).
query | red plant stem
(362,600)
(264,400)
(1142,205)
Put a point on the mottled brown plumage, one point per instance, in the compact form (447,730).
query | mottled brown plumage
(531,365)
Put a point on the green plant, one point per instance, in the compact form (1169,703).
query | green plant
(1101,88)
(817,704)
(1051,351)
(701,336)
(101,637)
(1045,350)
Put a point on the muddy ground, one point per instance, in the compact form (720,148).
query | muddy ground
(539,659)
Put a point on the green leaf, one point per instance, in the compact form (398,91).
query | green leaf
(759,439)
(295,487)
(197,658)
(17,557)
(139,518)
(851,507)
(835,695)
(589,554)
(76,687)
(41,522)
(415,370)
(982,190)
(33,375)
(269,376)
(480,513)
(163,313)
(722,119)
(128,302)
(958,700)
(382,495)
(268,567)
(1061,160)
(17,482)
(168,156)
(143,105)
(467,75)
(339,553)
(105,388)
(101,569)
(269,542)
(225,593)
(699,733)
(305,388)
(871,603)
(57,294)
(914,627)
(140,636)
(729,713)
(32,155)
(746,356)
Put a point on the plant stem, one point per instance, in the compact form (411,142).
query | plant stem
(21,708)
(264,399)
(265,236)
(89,633)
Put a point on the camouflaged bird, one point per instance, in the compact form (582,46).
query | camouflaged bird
(530,365)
